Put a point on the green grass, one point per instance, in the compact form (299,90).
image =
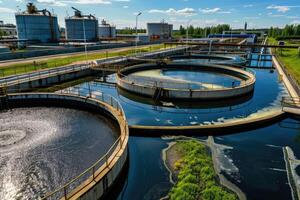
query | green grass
(197,178)
(290,58)
(24,67)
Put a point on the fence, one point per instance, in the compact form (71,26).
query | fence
(39,72)
(16,79)
(295,83)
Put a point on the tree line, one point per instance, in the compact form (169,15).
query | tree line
(130,31)
(287,31)
(198,32)
(2,33)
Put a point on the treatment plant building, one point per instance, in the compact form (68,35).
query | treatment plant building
(159,31)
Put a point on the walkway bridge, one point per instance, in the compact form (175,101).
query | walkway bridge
(291,105)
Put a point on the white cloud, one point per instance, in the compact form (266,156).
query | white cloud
(282,9)
(293,17)
(224,12)
(87,2)
(171,11)
(122,0)
(295,22)
(52,3)
(6,10)
(1,1)
(251,18)
(209,10)
(248,6)
(177,21)
(125,7)
(214,10)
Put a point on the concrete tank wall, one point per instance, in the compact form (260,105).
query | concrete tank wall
(37,27)
(75,29)
(146,89)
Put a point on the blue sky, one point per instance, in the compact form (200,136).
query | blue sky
(258,14)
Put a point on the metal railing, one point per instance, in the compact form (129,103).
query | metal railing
(295,83)
(39,73)
(18,78)
(90,174)
(167,84)
(139,55)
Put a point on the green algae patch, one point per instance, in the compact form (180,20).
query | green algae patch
(195,178)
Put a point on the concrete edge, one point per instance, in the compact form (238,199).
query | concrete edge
(216,129)
(187,93)
(285,79)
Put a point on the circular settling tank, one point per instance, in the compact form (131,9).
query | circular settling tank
(43,148)
(186,81)
(212,59)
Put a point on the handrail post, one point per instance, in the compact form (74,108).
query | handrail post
(90,93)
(65,193)
(93,172)
(106,160)
(121,142)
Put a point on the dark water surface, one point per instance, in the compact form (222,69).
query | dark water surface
(43,148)
(257,155)
(147,177)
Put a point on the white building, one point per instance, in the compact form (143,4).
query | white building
(9,30)
(159,31)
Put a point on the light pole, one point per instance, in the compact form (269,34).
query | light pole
(136,31)
(84,37)
(187,33)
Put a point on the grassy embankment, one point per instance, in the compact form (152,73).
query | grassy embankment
(196,177)
(24,67)
(290,58)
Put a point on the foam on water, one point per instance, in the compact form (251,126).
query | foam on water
(43,148)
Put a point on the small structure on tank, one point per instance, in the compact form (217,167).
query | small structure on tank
(81,27)
(37,25)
